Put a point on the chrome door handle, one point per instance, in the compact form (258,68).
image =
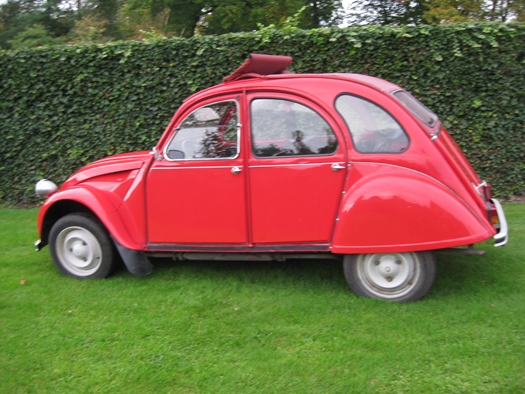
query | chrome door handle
(236,170)
(337,167)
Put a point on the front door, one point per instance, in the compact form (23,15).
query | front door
(196,194)
(297,170)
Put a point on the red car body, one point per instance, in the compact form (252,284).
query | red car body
(287,165)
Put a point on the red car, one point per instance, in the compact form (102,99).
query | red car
(275,165)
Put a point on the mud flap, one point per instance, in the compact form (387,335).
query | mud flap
(135,261)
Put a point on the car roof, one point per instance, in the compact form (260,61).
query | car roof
(265,66)
(261,71)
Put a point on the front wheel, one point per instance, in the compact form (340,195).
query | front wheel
(390,276)
(80,247)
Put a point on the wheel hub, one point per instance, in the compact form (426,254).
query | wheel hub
(387,267)
(80,250)
(388,272)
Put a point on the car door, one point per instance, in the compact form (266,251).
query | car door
(196,193)
(297,169)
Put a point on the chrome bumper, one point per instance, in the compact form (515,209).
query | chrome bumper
(501,238)
(39,245)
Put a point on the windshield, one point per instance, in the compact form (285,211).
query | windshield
(416,107)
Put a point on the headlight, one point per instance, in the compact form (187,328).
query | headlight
(45,188)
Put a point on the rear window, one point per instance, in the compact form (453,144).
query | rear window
(416,107)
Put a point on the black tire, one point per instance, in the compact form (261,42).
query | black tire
(81,247)
(390,276)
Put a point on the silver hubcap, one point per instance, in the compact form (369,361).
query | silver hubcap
(388,275)
(79,251)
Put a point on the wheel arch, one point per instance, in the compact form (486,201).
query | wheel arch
(82,200)
(57,211)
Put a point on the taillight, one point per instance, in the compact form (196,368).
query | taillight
(493,215)
(487,190)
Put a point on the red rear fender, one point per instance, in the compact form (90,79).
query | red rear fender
(392,209)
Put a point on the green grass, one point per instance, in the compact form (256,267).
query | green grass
(232,327)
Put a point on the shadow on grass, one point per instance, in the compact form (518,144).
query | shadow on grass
(457,274)
(326,273)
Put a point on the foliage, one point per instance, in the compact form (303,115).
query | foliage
(20,16)
(395,12)
(258,327)
(387,12)
(88,30)
(110,20)
(63,107)
(33,36)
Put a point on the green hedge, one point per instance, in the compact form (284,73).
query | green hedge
(62,107)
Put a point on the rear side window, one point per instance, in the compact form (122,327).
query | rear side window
(416,107)
(286,128)
(373,130)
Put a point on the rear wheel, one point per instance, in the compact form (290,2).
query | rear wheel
(391,276)
(81,247)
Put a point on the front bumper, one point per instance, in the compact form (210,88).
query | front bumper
(501,238)
(39,245)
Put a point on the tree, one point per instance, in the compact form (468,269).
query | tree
(321,13)
(224,16)
(506,10)
(88,30)
(453,11)
(387,12)
(18,16)
(414,12)
(32,37)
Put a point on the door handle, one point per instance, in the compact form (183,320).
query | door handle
(236,170)
(337,167)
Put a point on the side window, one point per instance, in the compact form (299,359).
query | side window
(286,128)
(210,132)
(372,129)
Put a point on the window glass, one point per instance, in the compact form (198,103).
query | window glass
(416,107)
(210,132)
(372,129)
(286,128)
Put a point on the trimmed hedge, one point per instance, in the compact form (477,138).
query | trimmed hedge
(63,107)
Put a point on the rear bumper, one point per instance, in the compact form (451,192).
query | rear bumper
(501,238)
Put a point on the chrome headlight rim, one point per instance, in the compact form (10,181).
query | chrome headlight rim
(45,188)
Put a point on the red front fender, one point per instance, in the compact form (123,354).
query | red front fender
(392,209)
(85,199)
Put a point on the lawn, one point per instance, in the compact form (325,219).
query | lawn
(272,327)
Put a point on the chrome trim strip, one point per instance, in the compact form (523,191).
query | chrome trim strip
(192,167)
(291,164)
(204,158)
(501,238)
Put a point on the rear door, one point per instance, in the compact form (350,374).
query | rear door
(297,168)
